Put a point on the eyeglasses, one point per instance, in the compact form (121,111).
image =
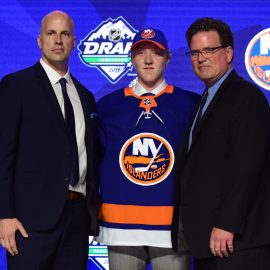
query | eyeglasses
(206,52)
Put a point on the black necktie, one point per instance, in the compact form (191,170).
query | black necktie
(70,123)
(199,115)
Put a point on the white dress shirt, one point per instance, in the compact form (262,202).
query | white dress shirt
(54,78)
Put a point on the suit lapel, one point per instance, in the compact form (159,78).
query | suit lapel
(185,140)
(86,111)
(183,149)
(213,104)
(46,86)
(83,99)
(86,106)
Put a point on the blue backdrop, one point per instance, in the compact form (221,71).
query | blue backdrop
(102,64)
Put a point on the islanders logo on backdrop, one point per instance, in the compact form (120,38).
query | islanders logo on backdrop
(107,48)
(257,59)
(146,159)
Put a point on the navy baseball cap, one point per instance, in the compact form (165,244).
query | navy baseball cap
(150,35)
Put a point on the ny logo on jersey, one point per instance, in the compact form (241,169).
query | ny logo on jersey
(146,159)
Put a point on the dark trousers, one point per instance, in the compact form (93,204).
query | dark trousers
(249,259)
(65,247)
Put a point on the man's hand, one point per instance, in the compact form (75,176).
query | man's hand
(8,228)
(221,242)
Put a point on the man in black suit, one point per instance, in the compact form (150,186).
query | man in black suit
(48,179)
(222,169)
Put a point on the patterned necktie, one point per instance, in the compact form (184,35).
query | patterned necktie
(199,114)
(70,124)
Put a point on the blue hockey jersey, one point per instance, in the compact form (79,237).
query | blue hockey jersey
(140,135)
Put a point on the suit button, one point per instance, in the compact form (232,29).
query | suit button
(66,179)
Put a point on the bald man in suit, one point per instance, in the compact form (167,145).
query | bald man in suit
(48,178)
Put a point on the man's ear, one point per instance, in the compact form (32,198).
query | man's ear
(229,54)
(74,42)
(168,58)
(39,41)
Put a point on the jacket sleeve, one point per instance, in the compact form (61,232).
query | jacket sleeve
(249,134)
(10,119)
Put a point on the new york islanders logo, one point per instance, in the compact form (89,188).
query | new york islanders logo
(257,59)
(107,48)
(148,33)
(146,159)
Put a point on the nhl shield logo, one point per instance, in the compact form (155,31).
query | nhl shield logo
(115,35)
(146,159)
(257,59)
(107,48)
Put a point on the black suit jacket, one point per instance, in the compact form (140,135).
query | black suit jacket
(223,181)
(35,155)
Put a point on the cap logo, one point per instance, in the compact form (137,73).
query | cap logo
(148,33)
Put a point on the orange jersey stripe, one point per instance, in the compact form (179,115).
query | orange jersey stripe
(131,214)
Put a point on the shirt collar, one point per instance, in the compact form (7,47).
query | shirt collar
(139,90)
(53,75)
(213,89)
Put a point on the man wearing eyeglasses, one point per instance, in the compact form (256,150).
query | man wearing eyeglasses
(222,171)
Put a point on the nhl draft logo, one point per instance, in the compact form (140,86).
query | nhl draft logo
(146,159)
(107,48)
(257,59)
